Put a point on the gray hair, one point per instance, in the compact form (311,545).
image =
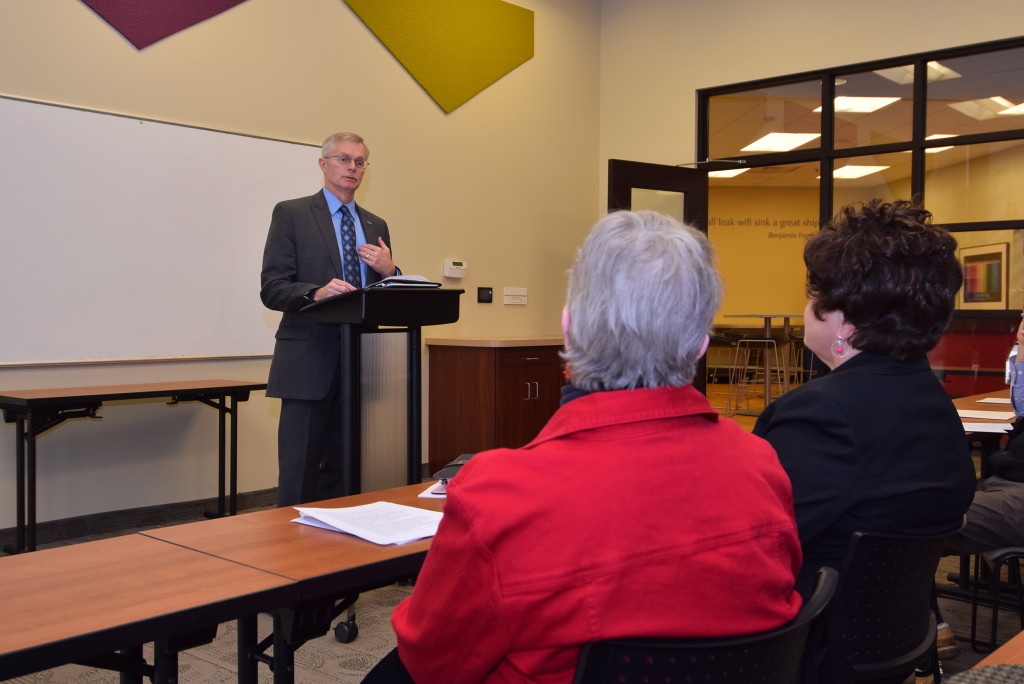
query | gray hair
(642,296)
(334,138)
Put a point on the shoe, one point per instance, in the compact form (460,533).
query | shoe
(946,642)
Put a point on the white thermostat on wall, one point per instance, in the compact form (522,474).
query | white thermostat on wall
(454,269)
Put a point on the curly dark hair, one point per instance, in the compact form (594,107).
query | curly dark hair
(891,272)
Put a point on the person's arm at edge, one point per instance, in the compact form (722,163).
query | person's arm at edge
(451,628)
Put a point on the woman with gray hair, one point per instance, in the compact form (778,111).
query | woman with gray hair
(635,512)
(641,300)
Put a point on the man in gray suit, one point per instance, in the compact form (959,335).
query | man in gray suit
(317,247)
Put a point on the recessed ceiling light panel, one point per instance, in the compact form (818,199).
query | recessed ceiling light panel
(854,171)
(731,173)
(861,105)
(781,142)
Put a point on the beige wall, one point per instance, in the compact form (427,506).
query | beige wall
(509,182)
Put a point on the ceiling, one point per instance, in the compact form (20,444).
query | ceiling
(738,119)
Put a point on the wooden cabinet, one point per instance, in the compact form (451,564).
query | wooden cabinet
(488,396)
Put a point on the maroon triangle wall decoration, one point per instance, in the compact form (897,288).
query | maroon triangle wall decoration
(144,22)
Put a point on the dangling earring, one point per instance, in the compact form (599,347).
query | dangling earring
(839,348)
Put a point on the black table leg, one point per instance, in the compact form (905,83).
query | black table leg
(414,419)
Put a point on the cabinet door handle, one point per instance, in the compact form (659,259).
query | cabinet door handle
(527,397)
(536,390)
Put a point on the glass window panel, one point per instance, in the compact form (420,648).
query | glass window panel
(977,94)
(758,222)
(859,179)
(969,183)
(874,107)
(738,120)
(662,201)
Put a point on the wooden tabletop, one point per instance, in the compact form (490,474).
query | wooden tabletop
(973,403)
(26,397)
(511,341)
(1010,653)
(269,541)
(63,604)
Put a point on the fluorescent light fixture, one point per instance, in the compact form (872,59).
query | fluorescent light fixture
(982,109)
(861,105)
(854,171)
(940,72)
(905,74)
(781,142)
(731,173)
(938,136)
(1012,111)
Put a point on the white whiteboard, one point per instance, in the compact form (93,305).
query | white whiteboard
(124,238)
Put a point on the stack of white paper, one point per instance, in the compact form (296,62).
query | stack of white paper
(381,522)
(988,415)
(987,427)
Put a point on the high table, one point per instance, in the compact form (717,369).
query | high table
(35,411)
(767,318)
(324,565)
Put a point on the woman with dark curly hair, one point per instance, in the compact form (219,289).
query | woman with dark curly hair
(876,444)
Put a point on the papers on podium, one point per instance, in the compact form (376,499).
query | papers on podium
(382,522)
(404,281)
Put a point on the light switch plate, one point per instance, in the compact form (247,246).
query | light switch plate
(515,295)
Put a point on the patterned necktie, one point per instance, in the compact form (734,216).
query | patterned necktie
(348,249)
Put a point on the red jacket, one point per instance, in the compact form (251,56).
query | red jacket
(633,513)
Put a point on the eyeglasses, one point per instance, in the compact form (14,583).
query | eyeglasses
(345,160)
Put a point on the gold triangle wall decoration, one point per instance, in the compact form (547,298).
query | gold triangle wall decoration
(453,48)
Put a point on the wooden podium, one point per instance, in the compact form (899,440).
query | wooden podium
(365,310)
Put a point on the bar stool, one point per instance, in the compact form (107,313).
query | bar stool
(719,361)
(995,560)
(748,371)
(801,360)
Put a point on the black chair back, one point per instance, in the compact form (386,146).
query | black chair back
(880,626)
(770,657)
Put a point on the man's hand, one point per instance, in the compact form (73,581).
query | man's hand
(378,257)
(335,287)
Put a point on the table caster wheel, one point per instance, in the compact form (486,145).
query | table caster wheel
(346,632)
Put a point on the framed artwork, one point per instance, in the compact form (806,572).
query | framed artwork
(985,277)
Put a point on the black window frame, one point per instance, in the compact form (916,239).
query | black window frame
(825,155)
